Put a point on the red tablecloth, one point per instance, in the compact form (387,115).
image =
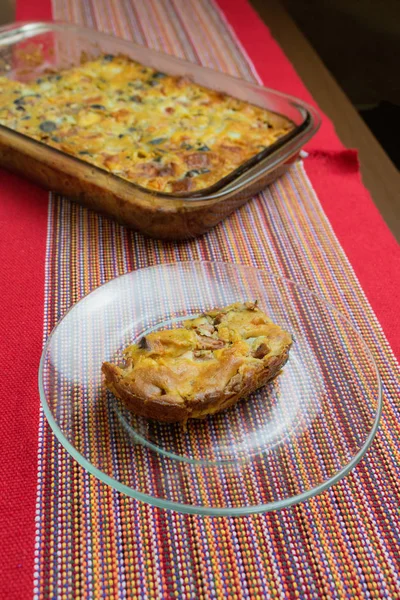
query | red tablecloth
(334,174)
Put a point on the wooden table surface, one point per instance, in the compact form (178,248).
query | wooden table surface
(378,172)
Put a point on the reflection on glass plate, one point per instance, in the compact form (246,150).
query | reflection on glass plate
(287,441)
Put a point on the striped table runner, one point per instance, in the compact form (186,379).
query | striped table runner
(93,542)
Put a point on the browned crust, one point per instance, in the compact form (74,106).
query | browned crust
(151,215)
(166,409)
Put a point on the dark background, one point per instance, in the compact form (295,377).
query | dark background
(359,42)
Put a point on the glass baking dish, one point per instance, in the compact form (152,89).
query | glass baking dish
(29,49)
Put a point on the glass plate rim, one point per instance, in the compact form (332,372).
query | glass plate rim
(198,509)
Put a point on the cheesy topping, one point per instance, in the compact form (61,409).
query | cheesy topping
(205,355)
(162,132)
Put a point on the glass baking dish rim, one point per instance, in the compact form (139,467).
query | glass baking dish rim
(236,180)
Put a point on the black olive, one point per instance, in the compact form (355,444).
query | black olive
(121,135)
(98,106)
(83,152)
(40,80)
(157,141)
(143,345)
(135,98)
(19,101)
(203,148)
(19,107)
(25,118)
(48,126)
(195,172)
(153,82)
(108,57)
(159,75)
(131,128)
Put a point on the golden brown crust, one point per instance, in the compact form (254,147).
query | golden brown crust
(97,191)
(201,369)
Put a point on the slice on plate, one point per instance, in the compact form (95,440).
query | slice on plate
(202,368)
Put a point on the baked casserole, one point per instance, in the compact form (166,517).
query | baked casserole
(202,368)
(162,132)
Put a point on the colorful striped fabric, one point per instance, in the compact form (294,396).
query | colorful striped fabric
(93,542)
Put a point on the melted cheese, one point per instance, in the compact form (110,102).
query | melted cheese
(205,355)
(164,133)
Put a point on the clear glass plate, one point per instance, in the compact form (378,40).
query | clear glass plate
(288,441)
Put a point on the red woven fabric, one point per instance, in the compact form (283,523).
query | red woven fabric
(23,217)
(23,222)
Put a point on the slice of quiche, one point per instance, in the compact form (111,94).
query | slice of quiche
(202,368)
